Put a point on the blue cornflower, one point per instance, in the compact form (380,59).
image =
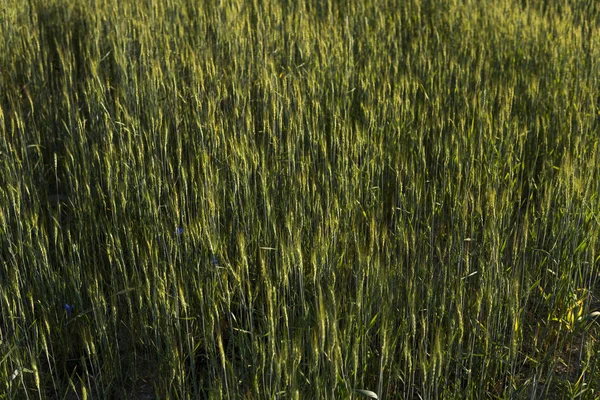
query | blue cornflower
(179,231)
(69,309)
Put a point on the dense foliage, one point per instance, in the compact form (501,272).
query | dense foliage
(296,199)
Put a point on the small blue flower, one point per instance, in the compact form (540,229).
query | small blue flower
(69,309)
(179,231)
(214,260)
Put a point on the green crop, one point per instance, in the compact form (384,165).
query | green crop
(299,199)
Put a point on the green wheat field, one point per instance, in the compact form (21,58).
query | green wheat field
(277,199)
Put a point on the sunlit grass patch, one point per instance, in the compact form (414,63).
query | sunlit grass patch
(295,199)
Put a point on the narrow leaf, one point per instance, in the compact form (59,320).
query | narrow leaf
(367,393)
